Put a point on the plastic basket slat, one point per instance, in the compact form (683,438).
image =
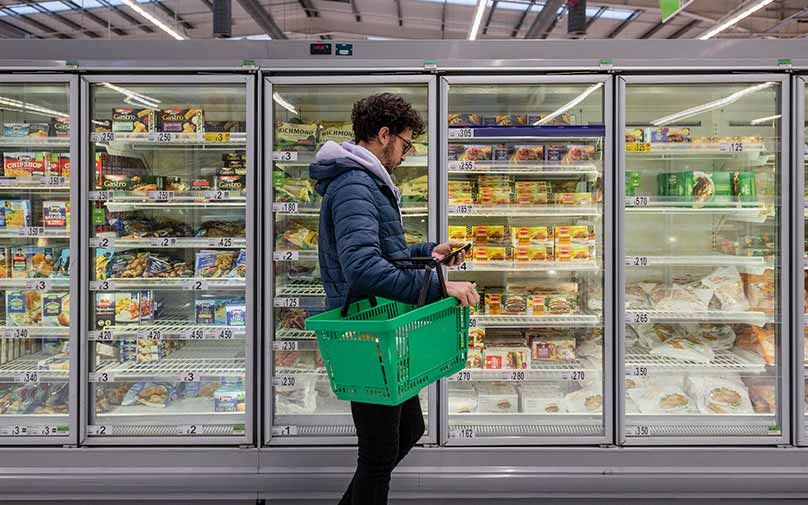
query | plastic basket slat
(388,353)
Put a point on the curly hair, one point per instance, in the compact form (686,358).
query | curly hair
(372,113)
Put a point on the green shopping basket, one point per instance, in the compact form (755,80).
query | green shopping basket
(385,352)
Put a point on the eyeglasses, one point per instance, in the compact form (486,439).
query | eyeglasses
(407,144)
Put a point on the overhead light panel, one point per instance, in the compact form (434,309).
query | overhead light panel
(716,104)
(745,13)
(478,19)
(283,103)
(762,120)
(154,20)
(567,106)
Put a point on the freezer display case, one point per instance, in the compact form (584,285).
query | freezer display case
(704,347)
(169,188)
(526,176)
(301,115)
(800,292)
(37,334)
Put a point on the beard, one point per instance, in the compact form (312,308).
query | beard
(388,160)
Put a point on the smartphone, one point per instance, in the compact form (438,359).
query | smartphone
(449,257)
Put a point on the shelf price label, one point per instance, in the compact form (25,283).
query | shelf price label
(639,431)
(731,147)
(196,285)
(284,155)
(104,137)
(38,284)
(461,165)
(163,242)
(102,285)
(188,429)
(460,209)
(287,302)
(14,431)
(638,147)
(284,431)
(98,430)
(151,334)
(637,201)
(637,261)
(16,333)
(164,137)
(46,431)
(461,133)
(286,345)
(463,267)
(288,207)
(104,335)
(637,371)
(473,323)
(217,195)
(285,255)
(53,180)
(100,196)
(195,334)
(287,381)
(31,231)
(638,317)
(189,377)
(222,334)
(574,375)
(102,242)
(161,196)
(466,433)
(463,376)
(516,376)
(27,377)
(8,181)
(101,377)
(217,137)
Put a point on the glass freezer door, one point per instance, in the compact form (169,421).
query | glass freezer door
(302,115)
(37,242)
(705,260)
(801,286)
(169,289)
(525,164)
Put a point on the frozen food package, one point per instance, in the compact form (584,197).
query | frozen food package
(16,213)
(462,398)
(577,153)
(56,308)
(552,348)
(681,298)
(588,400)
(497,398)
(592,348)
(474,358)
(176,120)
(23,308)
(521,153)
(506,358)
(760,290)
(728,288)
(230,398)
(465,120)
(476,153)
(763,394)
(34,164)
(661,398)
(756,343)
(291,189)
(336,131)
(531,235)
(298,396)
(150,394)
(514,304)
(540,399)
(295,136)
(721,337)
(651,335)
(459,233)
(718,395)
(637,296)
(133,120)
(415,189)
(685,349)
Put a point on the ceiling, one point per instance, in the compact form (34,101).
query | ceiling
(390,19)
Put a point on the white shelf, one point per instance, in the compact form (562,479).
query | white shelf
(35,232)
(36,142)
(639,363)
(43,184)
(198,284)
(172,369)
(528,266)
(170,242)
(16,332)
(169,330)
(640,316)
(26,369)
(301,289)
(508,321)
(293,334)
(34,283)
(523,168)
(505,210)
(224,139)
(752,264)
(538,371)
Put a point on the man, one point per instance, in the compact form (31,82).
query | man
(360,228)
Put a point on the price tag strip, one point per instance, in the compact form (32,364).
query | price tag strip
(461,133)
(461,165)
(39,284)
(161,196)
(35,431)
(284,155)
(461,209)
(637,201)
(286,256)
(731,147)
(31,231)
(285,431)
(100,196)
(102,285)
(466,433)
(216,196)
(286,345)
(287,207)
(17,333)
(638,261)
(287,302)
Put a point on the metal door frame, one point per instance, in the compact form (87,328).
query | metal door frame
(784,359)
(189,80)
(72,81)
(799,319)
(269,220)
(608,247)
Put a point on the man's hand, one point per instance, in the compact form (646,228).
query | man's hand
(465,293)
(440,251)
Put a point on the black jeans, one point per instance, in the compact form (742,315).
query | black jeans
(386,435)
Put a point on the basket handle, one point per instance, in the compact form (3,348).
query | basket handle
(427,264)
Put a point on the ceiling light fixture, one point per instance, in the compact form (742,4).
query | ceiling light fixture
(283,103)
(572,103)
(154,20)
(765,119)
(716,104)
(735,19)
(478,18)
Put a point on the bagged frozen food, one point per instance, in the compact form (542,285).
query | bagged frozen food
(465,120)
(540,399)
(150,394)
(718,395)
(720,337)
(685,349)
(680,298)
(299,236)
(728,288)
(637,296)
(755,342)
(651,335)
(475,358)
(295,136)
(338,132)
(592,348)
(239,269)
(588,400)
(291,189)
(215,263)
(462,398)
(23,308)
(763,394)
(415,189)
(552,348)
(497,398)
(760,290)
(295,395)
(56,308)
(661,398)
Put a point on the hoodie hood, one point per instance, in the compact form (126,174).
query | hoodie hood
(331,162)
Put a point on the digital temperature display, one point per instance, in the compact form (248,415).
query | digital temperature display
(320,49)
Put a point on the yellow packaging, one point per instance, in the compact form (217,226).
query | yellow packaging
(574,234)
(531,235)
(573,253)
(493,303)
(533,253)
(482,235)
(459,233)
(500,198)
(572,198)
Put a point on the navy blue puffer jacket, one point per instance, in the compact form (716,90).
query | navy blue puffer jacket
(360,227)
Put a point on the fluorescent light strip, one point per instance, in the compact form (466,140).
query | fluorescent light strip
(283,103)
(139,97)
(151,18)
(35,109)
(478,18)
(572,103)
(694,111)
(765,119)
(735,19)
